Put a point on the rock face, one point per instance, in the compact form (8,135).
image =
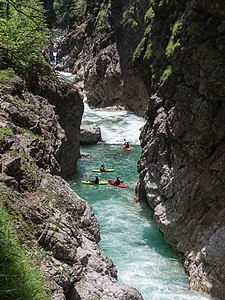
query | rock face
(182,164)
(90,134)
(47,128)
(102,65)
(39,139)
(171,53)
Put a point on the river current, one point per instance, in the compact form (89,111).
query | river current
(129,235)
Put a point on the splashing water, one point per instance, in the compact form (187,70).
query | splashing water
(116,125)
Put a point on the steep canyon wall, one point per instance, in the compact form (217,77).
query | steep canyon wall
(181,168)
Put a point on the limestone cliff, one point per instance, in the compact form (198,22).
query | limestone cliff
(172,54)
(181,169)
(39,137)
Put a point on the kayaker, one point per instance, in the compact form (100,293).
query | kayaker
(117,181)
(102,168)
(96,181)
(126,144)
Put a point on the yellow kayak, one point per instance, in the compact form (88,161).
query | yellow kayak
(91,182)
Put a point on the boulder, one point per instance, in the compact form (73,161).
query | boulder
(90,134)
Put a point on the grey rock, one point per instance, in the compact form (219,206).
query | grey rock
(90,134)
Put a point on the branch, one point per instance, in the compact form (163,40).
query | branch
(32,17)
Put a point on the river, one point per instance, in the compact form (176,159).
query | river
(129,236)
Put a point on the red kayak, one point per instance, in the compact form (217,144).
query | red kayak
(121,185)
(127,149)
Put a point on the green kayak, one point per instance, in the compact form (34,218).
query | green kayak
(107,170)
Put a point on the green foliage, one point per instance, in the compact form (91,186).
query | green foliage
(157,55)
(6,130)
(166,74)
(139,49)
(23,32)
(77,10)
(109,5)
(7,74)
(171,47)
(101,17)
(173,43)
(148,52)
(129,17)
(69,11)
(19,278)
(149,15)
(177,25)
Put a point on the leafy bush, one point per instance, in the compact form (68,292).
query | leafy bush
(149,15)
(139,49)
(173,43)
(166,74)
(7,74)
(148,52)
(23,32)
(172,46)
(77,10)
(129,17)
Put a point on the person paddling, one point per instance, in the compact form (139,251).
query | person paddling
(96,181)
(126,144)
(102,168)
(117,181)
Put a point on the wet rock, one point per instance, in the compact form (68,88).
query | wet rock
(90,134)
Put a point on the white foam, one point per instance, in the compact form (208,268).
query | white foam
(116,125)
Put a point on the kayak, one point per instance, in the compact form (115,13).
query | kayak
(127,149)
(90,182)
(107,170)
(121,185)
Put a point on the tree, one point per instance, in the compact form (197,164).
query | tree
(23,33)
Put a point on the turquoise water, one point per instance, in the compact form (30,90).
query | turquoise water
(128,234)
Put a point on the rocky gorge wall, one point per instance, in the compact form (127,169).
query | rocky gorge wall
(167,56)
(94,52)
(39,137)
(182,169)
